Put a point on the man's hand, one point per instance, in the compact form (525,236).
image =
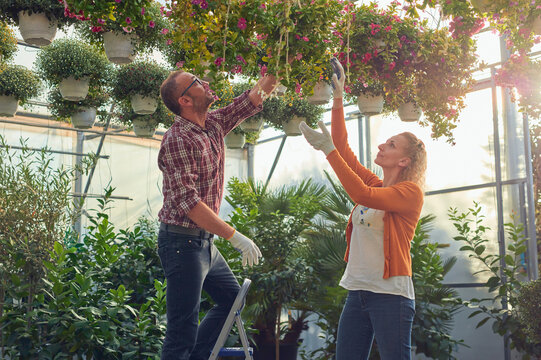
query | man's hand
(319,140)
(338,84)
(250,251)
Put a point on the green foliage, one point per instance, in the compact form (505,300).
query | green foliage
(63,109)
(435,304)
(529,310)
(275,220)
(140,77)
(8,42)
(125,115)
(53,9)
(504,271)
(291,105)
(67,57)
(18,81)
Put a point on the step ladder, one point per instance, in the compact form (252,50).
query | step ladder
(234,317)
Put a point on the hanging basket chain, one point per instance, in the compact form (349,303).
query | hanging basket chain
(348,19)
(225,33)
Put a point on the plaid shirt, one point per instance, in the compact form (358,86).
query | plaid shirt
(192,161)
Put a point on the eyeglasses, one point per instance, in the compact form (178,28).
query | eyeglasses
(189,86)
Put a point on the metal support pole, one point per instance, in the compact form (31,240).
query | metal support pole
(533,270)
(276,160)
(368,143)
(77,204)
(499,202)
(361,133)
(250,155)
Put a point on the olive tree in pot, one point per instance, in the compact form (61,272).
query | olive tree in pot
(275,219)
(72,66)
(17,85)
(37,19)
(139,84)
(82,113)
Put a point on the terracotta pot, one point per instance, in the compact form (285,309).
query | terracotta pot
(252,125)
(234,140)
(72,89)
(370,105)
(85,118)
(143,128)
(291,128)
(409,112)
(322,94)
(119,47)
(143,105)
(36,29)
(8,105)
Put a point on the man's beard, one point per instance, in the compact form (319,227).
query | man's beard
(202,104)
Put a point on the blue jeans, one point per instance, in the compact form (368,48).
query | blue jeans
(192,264)
(366,314)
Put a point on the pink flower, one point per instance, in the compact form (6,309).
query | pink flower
(169,41)
(180,64)
(127,29)
(391,66)
(101,21)
(263,70)
(241,59)
(143,11)
(298,88)
(242,24)
(128,20)
(96,29)
(237,69)
(165,31)
(388,28)
(305,38)
(118,1)
(204,4)
(298,56)
(263,6)
(218,61)
(151,24)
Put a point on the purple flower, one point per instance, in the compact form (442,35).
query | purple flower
(242,24)
(151,24)
(218,61)
(128,20)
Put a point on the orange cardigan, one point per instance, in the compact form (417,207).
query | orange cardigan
(401,202)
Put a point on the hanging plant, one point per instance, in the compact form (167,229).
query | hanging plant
(8,42)
(63,110)
(18,81)
(52,9)
(146,123)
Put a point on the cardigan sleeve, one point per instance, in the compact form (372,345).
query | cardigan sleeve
(340,140)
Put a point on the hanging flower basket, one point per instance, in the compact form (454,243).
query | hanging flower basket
(84,118)
(291,128)
(235,140)
(119,47)
(322,93)
(74,89)
(36,29)
(8,105)
(252,124)
(143,128)
(370,105)
(143,105)
(409,112)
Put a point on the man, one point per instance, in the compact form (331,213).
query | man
(192,157)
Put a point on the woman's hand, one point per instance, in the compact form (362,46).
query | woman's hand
(319,140)
(338,84)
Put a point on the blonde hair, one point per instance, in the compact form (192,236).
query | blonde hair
(416,151)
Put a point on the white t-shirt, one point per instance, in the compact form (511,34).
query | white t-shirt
(364,270)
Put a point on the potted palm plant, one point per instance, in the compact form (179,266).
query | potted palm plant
(82,114)
(17,85)
(139,83)
(72,65)
(37,19)
(8,42)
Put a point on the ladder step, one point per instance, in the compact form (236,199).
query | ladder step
(234,351)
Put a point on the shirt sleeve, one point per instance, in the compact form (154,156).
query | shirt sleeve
(401,197)
(340,140)
(179,167)
(233,114)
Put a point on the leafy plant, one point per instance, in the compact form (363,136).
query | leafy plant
(125,115)
(8,42)
(295,105)
(63,109)
(529,310)
(67,57)
(140,77)
(18,81)
(504,280)
(53,9)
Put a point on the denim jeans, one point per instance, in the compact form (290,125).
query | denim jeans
(366,314)
(192,264)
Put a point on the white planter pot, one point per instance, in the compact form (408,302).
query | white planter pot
(322,94)
(370,105)
(280,90)
(481,5)
(36,29)
(536,25)
(291,128)
(252,125)
(72,89)
(143,105)
(143,128)
(84,119)
(380,44)
(119,47)
(234,141)
(8,105)
(409,112)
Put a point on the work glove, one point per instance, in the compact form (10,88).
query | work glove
(319,140)
(338,78)
(249,250)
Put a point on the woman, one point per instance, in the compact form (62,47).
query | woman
(380,301)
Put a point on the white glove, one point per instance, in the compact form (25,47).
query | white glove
(319,140)
(250,251)
(338,84)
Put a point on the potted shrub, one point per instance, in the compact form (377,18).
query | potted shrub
(37,19)
(370,96)
(133,27)
(296,110)
(139,83)
(82,114)
(322,90)
(8,42)
(144,125)
(72,65)
(17,85)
